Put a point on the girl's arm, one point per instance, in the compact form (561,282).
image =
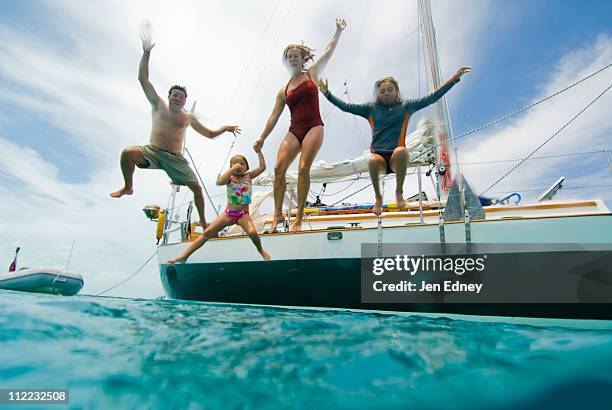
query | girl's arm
(363,110)
(262,165)
(319,65)
(415,105)
(224,178)
(279,106)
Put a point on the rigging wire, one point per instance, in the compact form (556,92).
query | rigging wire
(505,117)
(550,138)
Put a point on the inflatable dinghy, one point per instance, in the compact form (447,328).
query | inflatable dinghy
(43,280)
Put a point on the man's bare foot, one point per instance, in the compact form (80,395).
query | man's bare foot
(275,221)
(121,192)
(265,255)
(201,223)
(297,225)
(400,201)
(377,208)
(178,259)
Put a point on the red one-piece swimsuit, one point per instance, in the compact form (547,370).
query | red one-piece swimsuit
(303,102)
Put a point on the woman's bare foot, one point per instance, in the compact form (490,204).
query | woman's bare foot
(265,255)
(400,201)
(277,219)
(377,208)
(297,225)
(121,192)
(178,259)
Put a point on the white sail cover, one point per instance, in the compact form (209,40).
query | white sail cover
(419,144)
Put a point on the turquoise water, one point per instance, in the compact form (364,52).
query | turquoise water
(124,353)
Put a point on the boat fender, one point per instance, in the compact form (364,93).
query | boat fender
(161,222)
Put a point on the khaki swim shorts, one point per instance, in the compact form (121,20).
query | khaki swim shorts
(175,165)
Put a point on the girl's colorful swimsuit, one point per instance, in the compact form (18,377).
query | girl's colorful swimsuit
(239,192)
(389,123)
(303,102)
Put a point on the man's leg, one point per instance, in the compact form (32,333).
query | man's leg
(198,198)
(399,164)
(130,156)
(377,164)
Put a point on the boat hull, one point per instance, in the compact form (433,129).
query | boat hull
(333,283)
(50,281)
(323,268)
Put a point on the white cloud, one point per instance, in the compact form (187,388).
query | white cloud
(520,136)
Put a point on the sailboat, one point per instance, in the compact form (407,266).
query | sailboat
(559,251)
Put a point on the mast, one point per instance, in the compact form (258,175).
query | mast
(439,110)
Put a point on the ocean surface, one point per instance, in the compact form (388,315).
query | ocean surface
(157,354)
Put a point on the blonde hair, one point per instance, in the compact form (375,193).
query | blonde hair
(391,80)
(306,52)
(239,156)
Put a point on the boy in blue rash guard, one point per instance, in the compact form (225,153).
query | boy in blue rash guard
(389,117)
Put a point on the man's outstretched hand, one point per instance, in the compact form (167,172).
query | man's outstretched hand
(234,129)
(145,36)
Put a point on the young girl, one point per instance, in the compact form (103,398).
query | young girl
(388,117)
(238,182)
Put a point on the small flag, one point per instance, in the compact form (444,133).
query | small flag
(13,266)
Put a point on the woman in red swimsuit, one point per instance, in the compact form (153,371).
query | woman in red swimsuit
(305,134)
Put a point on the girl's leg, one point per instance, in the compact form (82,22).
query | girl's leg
(399,164)
(310,147)
(211,231)
(377,164)
(246,223)
(287,152)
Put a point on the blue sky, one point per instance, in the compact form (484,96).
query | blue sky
(69,102)
(526,40)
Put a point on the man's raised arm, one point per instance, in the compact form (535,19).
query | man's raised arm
(143,69)
(202,130)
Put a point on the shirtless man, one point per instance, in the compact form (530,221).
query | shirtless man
(167,134)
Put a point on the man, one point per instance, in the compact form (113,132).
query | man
(167,134)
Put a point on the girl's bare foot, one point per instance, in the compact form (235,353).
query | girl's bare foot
(121,192)
(377,208)
(277,219)
(178,259)
(400,201)
(265,255)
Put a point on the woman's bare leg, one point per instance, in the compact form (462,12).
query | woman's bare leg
(310,147)
(287,152)
(211,231)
